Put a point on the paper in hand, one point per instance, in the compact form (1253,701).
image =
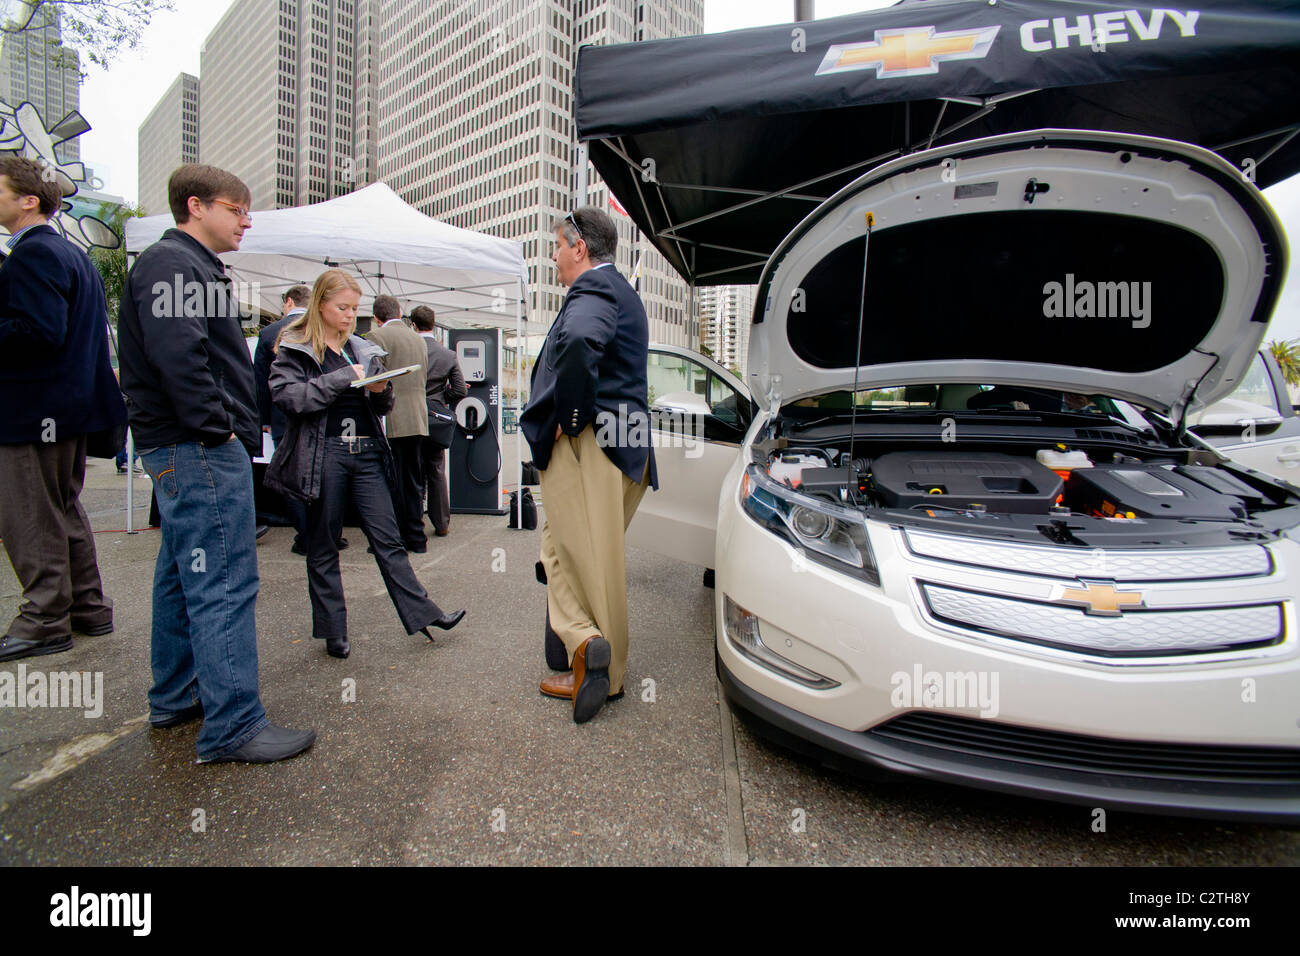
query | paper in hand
(384,376)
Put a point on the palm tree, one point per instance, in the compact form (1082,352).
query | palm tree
(1288,359)
(111,263)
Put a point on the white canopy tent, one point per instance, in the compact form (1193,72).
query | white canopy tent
(467,277)
(471,280)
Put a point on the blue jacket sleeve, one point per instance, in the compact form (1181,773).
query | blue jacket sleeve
(590,321)
(36,314)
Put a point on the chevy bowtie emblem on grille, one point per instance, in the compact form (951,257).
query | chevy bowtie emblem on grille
(1100,599)
(911,51)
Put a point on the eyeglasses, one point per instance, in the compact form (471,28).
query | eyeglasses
(241,211)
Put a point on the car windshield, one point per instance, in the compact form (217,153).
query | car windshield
(963,397)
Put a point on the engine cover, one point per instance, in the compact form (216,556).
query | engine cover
(1002,483)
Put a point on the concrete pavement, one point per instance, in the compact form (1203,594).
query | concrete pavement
(448,754)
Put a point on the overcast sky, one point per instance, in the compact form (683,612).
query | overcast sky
(116,102)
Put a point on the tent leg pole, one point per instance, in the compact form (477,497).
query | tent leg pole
(519,406)
(130,489)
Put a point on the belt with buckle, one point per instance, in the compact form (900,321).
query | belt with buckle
(355,444)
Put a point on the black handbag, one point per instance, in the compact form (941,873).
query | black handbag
(442,423)
(107,443)
(529,511)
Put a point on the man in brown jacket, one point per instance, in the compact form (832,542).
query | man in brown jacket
(407,425)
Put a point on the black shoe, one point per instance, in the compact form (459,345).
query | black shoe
(193,712)
(417,547)
(271,744)
(99,630)
(448,621)
(262,529)
(338,647)
(297,548)
(541,572)
(343,544)
(12,648)
(591,678)
(557,658)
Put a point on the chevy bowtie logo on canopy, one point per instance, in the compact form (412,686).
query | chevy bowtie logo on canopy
(910,51)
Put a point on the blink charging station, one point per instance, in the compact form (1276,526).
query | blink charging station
(474,459)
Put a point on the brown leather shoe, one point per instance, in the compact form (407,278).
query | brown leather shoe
(590,678)
(561,686)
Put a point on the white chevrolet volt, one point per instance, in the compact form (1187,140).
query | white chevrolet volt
(989,551)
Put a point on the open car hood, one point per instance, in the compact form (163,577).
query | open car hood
(1092,262)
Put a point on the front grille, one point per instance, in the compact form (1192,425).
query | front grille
(1151,632)
(969,737)
(1120,565)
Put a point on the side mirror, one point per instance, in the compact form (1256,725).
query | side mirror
(1232,414)
(681,403)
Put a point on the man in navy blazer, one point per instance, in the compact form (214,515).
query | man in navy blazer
(56,387)
(588,424)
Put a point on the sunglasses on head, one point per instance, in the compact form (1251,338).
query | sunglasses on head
(576,227)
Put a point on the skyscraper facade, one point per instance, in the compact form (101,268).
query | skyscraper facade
(169,137)
(725,313)
(464,109)
(476,128)
(279,98)
(36,68)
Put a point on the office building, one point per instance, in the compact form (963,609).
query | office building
(476,129)
(280,82)
(169,137)
(36,68)
(725,314)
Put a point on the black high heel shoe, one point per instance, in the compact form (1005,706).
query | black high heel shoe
(446,622)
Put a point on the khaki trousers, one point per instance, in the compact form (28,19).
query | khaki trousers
(48,539)
(589,504)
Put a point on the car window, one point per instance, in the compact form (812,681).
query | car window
(1257,386)
(667,374)
(729,412)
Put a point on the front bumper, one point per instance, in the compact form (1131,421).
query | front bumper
(958,763)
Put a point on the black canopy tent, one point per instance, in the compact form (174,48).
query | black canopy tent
(719,145)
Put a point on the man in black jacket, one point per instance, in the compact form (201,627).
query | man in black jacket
(193,407)
(588,424)
(56,386)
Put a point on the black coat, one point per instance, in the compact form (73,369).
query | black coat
(54,361)
(304,392)
(592,371)
(186,369)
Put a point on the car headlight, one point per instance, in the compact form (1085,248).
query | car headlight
(828,533)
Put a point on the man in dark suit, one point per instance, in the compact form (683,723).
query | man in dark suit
(407,425)
(588,424)
(56,387)
(444,386)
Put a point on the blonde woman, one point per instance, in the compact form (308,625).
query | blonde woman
(334,452)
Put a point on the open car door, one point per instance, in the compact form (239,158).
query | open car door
(699,414)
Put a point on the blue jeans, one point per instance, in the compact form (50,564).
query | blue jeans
(204,643)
